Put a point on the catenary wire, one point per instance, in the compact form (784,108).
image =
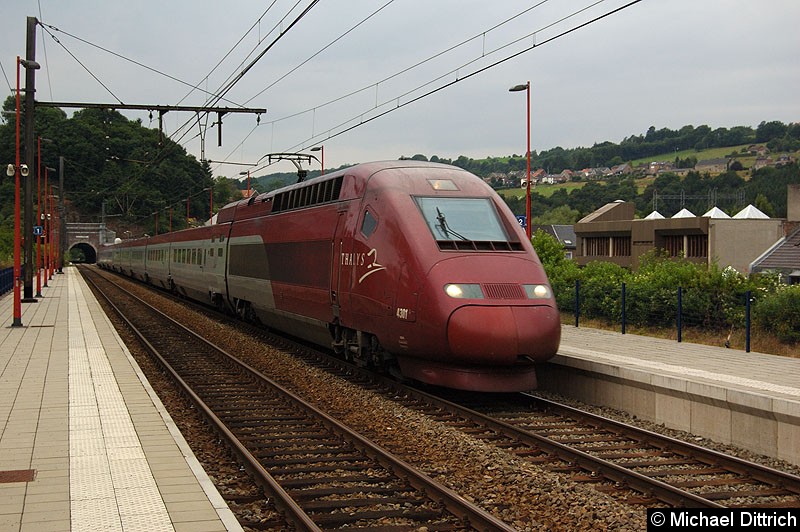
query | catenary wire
(399,105)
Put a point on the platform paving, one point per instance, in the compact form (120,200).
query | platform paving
(751,400)
(85,444)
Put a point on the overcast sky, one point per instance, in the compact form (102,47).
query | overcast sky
(665,63)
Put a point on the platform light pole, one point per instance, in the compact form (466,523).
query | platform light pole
(321,149)
(15,171)
(31,66)
(247,173)
(39,216)
(527,88)
(44,219)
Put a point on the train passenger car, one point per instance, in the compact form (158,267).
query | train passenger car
(411,266)
(403,263)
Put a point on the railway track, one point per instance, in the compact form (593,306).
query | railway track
(322,474)
(638,466)
(617,457)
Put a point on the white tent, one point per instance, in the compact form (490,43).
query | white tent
(684,213)
(655,215)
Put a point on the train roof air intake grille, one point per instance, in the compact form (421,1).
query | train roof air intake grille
(503,291)
(308,195)
(478,245)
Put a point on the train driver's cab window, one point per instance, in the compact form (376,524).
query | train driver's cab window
(369,224)
(467,219)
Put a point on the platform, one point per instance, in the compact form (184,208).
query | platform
(85,444)
(750,400)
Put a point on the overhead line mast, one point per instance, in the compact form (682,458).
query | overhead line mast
(162,110)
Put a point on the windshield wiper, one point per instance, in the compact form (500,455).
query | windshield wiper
(445,228)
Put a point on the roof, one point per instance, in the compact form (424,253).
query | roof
(565,234)
(750,213)
(784,255)
(684,213)
(655,215)
(614,211)
(716,212)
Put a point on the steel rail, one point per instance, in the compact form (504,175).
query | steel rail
(470,514)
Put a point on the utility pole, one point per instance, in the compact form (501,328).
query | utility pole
(62,222)
(30,89)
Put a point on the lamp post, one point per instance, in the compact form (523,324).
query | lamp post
(15,171)
(44,219)
(527,88)
(247,173)
(39,216)
(210,203)
(321,149)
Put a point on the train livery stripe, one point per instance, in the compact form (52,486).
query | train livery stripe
(297,263)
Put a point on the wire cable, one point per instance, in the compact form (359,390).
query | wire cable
(314,139)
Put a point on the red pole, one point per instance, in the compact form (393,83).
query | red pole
(528,194)
(39,216)
(46,227)
(17,237)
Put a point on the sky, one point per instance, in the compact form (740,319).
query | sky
(379,79)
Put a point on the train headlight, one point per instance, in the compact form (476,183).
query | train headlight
(464,291)
(537,291)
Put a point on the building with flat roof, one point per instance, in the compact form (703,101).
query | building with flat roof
(612,234)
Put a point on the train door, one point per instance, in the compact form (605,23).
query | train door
(340,280)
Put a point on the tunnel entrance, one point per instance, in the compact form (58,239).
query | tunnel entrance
(82,253)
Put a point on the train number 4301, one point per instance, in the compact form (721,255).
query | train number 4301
(402,313)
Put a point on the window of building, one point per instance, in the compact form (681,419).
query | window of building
(622,246)
(697,246)
(673,244)
(596,246)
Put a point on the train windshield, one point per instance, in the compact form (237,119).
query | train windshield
(471,219)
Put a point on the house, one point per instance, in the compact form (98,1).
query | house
(657,167)
(713,166)
(622,169)
(784,256)
(565,234)
(762,162)
(536,177)
(612,234)
(757,149)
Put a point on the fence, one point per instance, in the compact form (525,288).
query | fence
(6,280)
(677,307)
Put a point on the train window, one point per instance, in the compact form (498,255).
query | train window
(369,224)
(219,252)
(211,252)
(462,219)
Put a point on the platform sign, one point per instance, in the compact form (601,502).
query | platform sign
(522,221)
(38,230)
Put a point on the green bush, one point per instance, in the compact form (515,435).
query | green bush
(779,314)
(712,298)
(601,290)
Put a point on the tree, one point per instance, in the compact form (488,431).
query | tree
(562,215)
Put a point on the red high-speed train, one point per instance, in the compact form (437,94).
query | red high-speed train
(403,265)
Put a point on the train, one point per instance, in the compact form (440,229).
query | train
(415,268)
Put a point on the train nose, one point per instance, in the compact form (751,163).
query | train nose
(501,334)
